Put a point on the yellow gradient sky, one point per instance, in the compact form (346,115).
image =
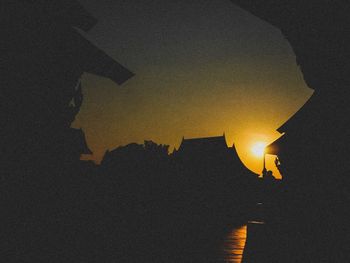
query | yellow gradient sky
(201,69)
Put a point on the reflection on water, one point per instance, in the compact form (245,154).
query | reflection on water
(234,245)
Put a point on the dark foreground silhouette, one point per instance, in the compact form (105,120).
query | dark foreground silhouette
(140,205)
(173,205)
(143,205)
(310,224)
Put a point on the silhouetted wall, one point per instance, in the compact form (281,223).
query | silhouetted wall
(317,137)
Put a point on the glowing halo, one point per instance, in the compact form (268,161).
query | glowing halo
(258,149)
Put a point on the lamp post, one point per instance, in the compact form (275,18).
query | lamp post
(264,166)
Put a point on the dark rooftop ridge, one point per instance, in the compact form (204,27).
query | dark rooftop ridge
(205,142)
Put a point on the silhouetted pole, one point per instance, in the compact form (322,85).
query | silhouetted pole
(264,166)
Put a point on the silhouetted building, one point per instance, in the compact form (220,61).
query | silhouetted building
(311,148)
(313,151)
(136,158)
(48,195)
(43,56)
(277,148)
(317,136)
(212,155)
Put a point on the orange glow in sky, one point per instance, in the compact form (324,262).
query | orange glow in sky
(258,149)
(250,147)
(200,76)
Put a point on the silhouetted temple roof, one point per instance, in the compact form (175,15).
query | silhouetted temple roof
(298,124)
(277,146)
(97,62)
(203,143)
(302,116)
(52,27)
(213,150)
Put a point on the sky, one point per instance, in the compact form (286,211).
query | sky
(203,68)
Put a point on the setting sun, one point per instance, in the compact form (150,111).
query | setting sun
(258,149)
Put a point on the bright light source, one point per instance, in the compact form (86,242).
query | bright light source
(258,149)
